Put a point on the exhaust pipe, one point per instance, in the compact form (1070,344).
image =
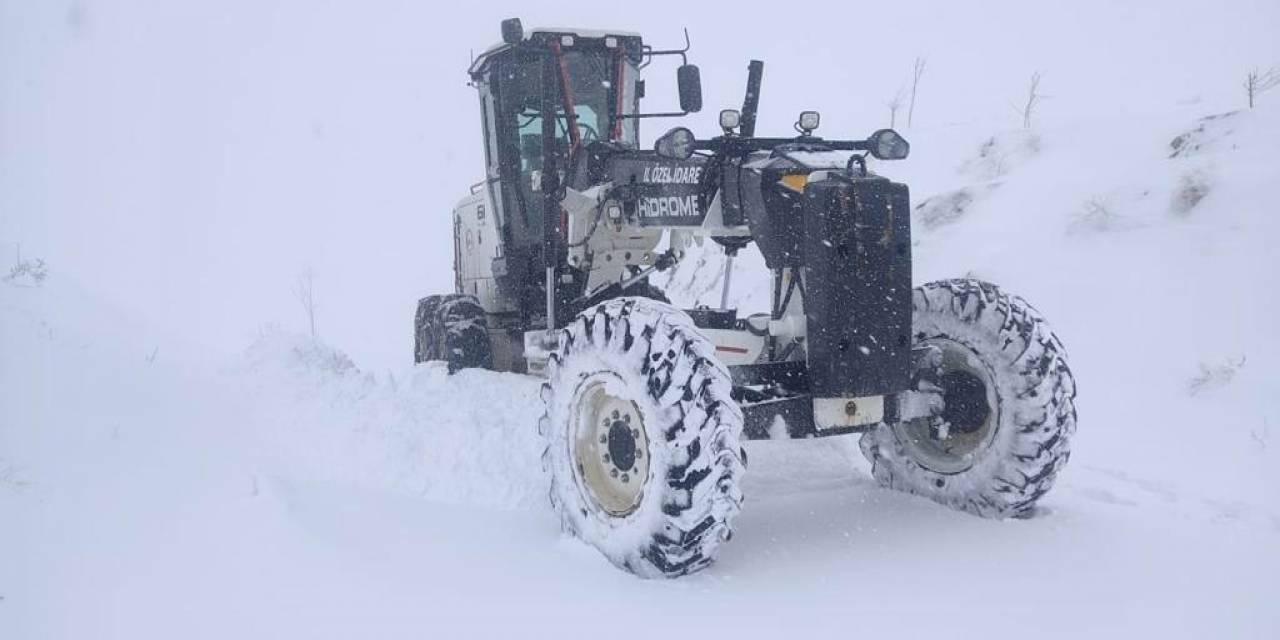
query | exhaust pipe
(751,103)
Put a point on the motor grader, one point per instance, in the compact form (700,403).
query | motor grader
(960,391)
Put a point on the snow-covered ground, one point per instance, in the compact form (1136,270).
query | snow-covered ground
(290,493)
(154,487)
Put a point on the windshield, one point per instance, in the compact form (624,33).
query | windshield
(593,82)
(594,79)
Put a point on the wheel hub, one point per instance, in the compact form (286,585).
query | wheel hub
(622,444)
(954,440)
(965,401)
(609,446)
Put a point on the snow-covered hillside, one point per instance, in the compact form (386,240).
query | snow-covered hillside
(291,492)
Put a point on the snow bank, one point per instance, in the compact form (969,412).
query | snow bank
(469,438)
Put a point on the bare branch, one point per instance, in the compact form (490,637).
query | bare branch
(304,291)
(1270,79)
(1256,82)
(1033,99)
(894,104)
(917,70)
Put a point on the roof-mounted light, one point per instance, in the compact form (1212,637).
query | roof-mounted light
(730,119)
(566,41)
(512,31)
(808,121)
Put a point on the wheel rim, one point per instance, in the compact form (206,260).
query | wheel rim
(969,421)
(609,446)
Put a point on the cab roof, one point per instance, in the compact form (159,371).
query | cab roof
(543,33)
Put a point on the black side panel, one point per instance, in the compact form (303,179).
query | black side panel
(731,207)
(857,281)
(774,218)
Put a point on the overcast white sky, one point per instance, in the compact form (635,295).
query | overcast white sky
(188,160)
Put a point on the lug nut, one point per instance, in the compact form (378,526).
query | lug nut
(626,418)
(625,478)
(615,414)
(635,433)
(606,457)
(603,438)
(613,473)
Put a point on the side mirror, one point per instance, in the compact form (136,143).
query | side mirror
(676,144)
(886,144)
(689,81)
(512,31)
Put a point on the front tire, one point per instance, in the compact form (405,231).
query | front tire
(1010,413)
(643,439)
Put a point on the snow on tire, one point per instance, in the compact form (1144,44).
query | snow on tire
(454,328)
(1010,397)
(424,329)
(464,338)
(643,439)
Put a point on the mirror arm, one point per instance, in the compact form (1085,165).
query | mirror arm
(649,53)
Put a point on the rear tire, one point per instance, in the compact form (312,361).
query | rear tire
(643,439)
(1010,405)
(453,328)
(425,330)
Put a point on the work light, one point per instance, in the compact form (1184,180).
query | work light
(808,121)
(730,119)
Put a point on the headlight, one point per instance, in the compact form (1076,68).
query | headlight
(676,143)
(730,119)
(886,144)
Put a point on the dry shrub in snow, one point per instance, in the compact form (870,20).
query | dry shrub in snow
(1207,134)
(9,476)
(1098,215)
(949,206)
(298,353)
(1001,153)
(1193,186)
(1214,376)
(28,273)
(1261,435)
(944,208)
